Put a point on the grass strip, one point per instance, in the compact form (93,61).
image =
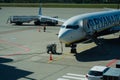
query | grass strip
(58,5)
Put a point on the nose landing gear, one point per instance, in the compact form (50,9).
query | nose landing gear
(73,48)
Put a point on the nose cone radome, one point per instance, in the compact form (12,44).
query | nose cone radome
(64,36)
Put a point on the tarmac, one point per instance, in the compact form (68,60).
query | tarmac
(23,53)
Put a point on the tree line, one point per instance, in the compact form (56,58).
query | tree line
(60,1)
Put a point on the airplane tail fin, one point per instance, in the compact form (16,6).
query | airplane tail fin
(40,14)
(40,11)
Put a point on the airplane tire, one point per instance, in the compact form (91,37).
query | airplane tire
(37,22)
(18,23)
(73,51)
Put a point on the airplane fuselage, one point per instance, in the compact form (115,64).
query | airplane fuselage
(79,27)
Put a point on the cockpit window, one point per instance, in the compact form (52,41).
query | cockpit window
(72,26)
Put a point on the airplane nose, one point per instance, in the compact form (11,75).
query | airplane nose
(64,36)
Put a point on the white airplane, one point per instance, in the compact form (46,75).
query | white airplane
(87,26)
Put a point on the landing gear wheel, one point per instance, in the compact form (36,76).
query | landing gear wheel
(73,51)
(73,48)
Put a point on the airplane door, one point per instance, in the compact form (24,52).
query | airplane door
(87,28)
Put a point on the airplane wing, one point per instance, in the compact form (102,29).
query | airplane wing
(56,19)
(48,17)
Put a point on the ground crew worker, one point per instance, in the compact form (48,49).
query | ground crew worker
(44,28)
(51,48)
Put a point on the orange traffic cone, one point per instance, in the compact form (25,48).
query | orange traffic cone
(51,58)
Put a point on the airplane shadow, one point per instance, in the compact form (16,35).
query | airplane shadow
(4,60)
(12,73)
(110,49)
(25,25)
(35,25)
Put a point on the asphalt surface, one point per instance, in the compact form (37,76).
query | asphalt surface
(23,53)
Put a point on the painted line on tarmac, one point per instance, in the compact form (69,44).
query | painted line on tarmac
(78,75)
(72,76)
(25,49)
(62,79)
(111,62)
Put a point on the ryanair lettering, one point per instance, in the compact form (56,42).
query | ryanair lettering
(103,22)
